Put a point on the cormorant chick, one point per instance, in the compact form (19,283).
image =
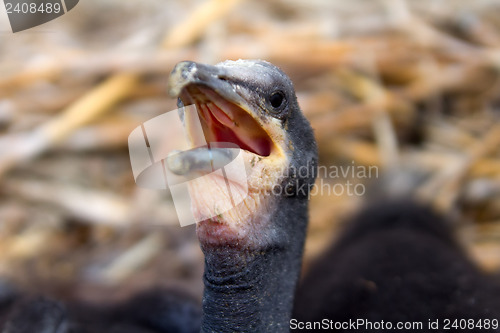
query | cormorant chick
(397,261)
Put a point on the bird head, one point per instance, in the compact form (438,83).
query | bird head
(252,104)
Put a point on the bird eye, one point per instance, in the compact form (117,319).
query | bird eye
(277,99)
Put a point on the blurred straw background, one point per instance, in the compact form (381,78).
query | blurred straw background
(412,87)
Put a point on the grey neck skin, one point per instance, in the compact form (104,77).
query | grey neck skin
(251,290)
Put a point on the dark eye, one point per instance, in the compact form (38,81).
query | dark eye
(276,99)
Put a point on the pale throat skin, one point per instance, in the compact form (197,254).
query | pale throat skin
(252,252)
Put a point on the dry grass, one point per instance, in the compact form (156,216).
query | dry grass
(410,87)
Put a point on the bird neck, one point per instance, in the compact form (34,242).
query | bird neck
(252,290)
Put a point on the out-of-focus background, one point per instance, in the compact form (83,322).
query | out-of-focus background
(411,87)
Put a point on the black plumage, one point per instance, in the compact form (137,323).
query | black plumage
(397,261)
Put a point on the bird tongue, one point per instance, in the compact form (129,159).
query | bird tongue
(221,116)
(229,123)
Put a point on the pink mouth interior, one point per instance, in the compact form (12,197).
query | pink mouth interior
(240,129)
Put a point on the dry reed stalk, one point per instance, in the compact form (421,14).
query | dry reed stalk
(93,64)
(434,161)
(197,22)
(16,81)
(365,153)
(450,136)
(445,186)
(107,134)
(92,206)
(362,152)
(356,118)
(372,93)
(22,147)
(315,104)
(128,262)
(89,107)
(320,53)
(27,244)
(422,32)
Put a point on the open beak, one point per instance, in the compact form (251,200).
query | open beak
(225,115)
